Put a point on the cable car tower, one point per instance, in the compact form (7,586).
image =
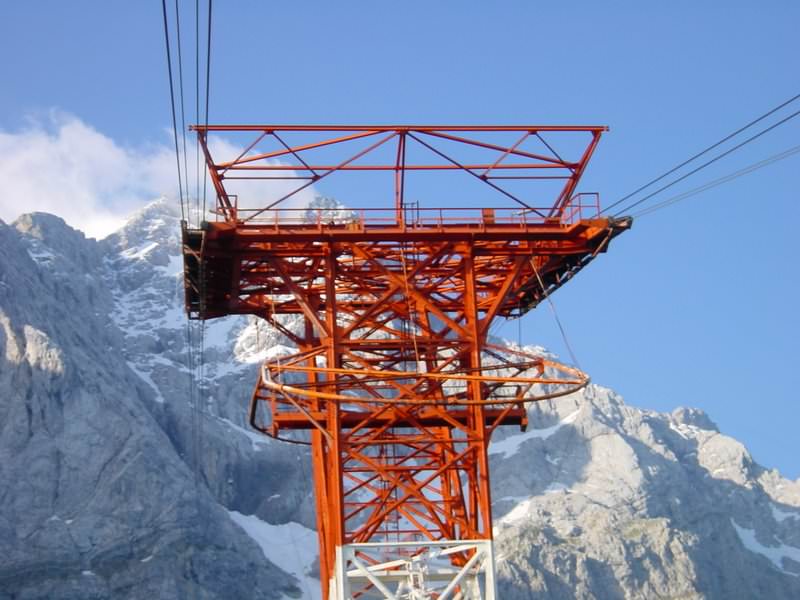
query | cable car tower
(396,384)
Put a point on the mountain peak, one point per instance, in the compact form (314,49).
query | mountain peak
(45,226)
(50,240)
(158,218)
(694,417)
(596,499)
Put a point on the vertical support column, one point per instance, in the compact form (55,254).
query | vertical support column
(399,178)
(326,560)
(321,475)
(478,422)
(335,508)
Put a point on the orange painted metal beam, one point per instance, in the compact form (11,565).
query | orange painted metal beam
(394,384)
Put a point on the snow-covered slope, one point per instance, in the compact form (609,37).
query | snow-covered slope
(611,501)
(117,482)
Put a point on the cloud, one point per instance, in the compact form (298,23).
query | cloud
(64,166)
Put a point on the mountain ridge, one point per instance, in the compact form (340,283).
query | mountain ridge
(598,499)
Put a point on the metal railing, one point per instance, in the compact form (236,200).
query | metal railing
(581,206)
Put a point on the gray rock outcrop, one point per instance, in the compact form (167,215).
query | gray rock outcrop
(95,498)
(128,471)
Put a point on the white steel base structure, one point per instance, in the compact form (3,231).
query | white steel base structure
(442,570)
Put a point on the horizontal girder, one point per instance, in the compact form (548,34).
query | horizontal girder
(393,383)
(238,277)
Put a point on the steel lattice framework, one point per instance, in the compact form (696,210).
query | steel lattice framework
(394,383)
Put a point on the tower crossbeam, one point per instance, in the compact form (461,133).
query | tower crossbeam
(395,383)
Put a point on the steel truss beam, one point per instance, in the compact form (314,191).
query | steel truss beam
(395,385)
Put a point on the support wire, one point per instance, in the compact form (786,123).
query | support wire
(699,154)
(172,103)
(716,182)
(183,113)
(555,314)
(708,162)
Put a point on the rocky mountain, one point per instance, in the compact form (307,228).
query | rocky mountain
(119,481)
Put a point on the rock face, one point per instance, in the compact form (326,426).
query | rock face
(617,502)
(119,481)
(96,497)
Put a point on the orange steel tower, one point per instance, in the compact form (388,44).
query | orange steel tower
(395,383)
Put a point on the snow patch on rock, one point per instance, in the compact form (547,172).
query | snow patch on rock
(509,446)
(291,547)
(775,554)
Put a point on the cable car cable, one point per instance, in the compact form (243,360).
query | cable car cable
(712,184)
(701,153)
(707,163)
(208,93)
(183,112)
(172,101)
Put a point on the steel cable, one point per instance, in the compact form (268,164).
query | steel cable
(183,112)
(208,94)
(201,370)
(197,100)
(172,102)
(555,315)
(712,184)
(701,153)
(707,163)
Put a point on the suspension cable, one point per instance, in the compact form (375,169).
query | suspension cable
(197,100)
(194,339)
(555,314)
(708,162)
(172,102)
(208,93)
(192,404)
(712,184)
(701,153)
(183,113)
(201,386)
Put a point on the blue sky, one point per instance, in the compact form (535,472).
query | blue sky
(696,306)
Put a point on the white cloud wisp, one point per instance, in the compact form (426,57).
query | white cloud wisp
(64,166)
